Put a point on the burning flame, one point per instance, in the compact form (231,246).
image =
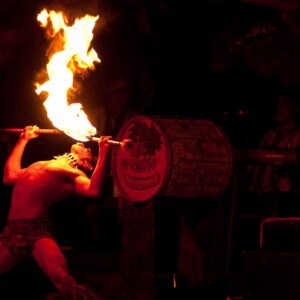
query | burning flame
(75,55)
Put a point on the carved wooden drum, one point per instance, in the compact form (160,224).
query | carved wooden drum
(173,157)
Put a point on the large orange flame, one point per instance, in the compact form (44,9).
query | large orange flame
(74,56)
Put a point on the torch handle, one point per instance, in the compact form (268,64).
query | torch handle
(126,143)
(113,142)
(40,131)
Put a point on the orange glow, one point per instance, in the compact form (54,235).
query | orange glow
(73,55)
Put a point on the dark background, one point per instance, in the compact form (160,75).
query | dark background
(193,59)
(227,61)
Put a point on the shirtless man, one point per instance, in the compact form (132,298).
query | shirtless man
(36,188)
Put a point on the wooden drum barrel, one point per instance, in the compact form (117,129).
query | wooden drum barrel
(173,157)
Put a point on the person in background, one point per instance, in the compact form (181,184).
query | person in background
(281,181)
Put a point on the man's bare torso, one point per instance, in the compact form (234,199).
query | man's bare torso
(41,185)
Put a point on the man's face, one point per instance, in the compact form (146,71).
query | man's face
(84,154)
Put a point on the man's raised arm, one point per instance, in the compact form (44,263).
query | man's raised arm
(93,187)
(12,168)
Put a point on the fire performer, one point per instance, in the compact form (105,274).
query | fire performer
(36,188)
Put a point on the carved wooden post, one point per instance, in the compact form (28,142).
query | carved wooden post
(137,258)
(187,159)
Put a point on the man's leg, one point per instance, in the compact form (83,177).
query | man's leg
(50,258)
(52,261)
(7,260)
